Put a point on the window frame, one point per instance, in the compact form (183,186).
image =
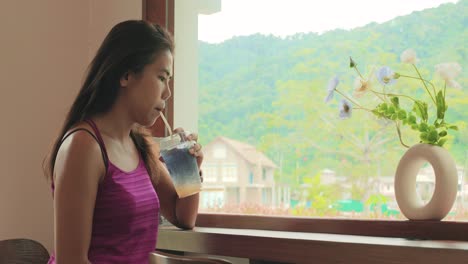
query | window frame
(210,172)
(229,172)
(161,12)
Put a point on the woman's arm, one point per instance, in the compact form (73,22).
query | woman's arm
(78,169)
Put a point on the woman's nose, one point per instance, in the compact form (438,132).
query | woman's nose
(167,93)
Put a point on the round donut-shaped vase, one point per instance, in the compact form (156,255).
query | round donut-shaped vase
(446,181)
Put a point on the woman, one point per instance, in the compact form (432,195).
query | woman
(108,183)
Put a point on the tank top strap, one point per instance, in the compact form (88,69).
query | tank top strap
(96,136)
(99,140)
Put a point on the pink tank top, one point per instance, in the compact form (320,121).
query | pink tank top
(126,214)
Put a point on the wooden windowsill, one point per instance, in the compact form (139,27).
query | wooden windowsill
(428,230)
(304,247)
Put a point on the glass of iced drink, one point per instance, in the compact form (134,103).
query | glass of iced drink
(182,165)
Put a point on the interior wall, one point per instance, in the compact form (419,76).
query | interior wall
(44,50)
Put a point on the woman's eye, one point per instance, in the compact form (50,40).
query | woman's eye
(162,79)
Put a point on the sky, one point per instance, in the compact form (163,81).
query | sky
(287,17)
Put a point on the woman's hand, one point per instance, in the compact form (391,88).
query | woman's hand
(196,150)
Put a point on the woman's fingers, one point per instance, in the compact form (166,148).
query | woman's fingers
(196,150)
(178,130)
(193,136)
(199,156)
(186,135)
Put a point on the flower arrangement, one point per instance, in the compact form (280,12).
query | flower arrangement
(431,125)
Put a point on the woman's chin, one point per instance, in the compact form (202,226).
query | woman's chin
(149,122)
(152,121)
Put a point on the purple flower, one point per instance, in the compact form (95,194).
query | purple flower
(386,76)
(331,88)
(345,109)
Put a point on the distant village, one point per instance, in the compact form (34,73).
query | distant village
(237,173)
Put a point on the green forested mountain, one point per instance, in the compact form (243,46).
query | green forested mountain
(270,92)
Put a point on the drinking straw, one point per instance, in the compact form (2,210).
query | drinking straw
(168,127)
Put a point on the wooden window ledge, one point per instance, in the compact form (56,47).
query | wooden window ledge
(302,247)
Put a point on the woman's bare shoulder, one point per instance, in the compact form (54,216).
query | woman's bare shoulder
(80,153)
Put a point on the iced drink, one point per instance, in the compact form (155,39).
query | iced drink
(181,164)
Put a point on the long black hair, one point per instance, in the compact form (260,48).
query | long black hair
(129,46)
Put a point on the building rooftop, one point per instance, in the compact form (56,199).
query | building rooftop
(248,152)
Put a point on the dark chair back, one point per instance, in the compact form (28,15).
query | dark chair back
(22,251)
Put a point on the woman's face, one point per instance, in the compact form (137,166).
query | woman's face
(146,93)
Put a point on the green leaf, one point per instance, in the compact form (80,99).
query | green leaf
(442,133)
(415,126)
(411,119)
(377,112)
(420,109)
(383,106)
(423,136)
(432,136)
(395,101)
(442,142)
(390,110)
(402,114)
(440,103)
(453,127)
(423,127)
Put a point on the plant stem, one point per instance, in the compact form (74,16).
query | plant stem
(421,79)
(392,94)
(358,72)
(412,77)
(445,88)
(424,83)
(362,108)
(385,93)
(377,94)
(399,134)
(349,99)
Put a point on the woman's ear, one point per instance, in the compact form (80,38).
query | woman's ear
(124,79)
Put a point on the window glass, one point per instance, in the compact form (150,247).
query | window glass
(264,67)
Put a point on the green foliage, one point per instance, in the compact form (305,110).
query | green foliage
(320,195)
(377,199)
(269,92)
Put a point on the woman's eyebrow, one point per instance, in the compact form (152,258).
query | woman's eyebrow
(166,71)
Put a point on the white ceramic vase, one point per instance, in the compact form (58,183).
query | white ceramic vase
(446,182)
